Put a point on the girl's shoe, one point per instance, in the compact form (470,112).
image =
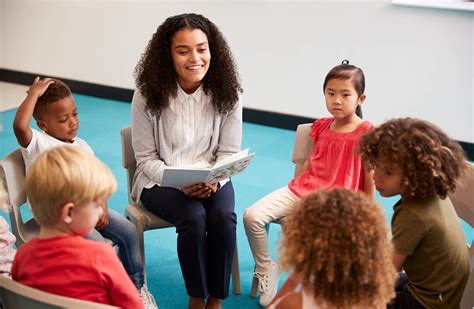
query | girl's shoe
(268,284)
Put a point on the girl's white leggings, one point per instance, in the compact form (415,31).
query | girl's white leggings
(276,205)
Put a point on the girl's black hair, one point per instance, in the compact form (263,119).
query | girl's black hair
(346,71)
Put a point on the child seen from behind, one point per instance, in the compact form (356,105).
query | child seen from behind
(336,243)
(65,187)
(416,160)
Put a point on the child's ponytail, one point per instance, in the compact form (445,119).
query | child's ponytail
(359,111)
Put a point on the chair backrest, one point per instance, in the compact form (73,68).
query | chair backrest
(12,171)
(303,145)
(16,295)
(463,202)
(463,197)
(128,157)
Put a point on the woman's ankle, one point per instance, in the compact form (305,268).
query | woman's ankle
(213,303)
(196,303)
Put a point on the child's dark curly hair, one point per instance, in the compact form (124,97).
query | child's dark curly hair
(155,75)
(337,241)
(430,162)
(55,92)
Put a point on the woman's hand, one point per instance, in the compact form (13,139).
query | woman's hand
(200,190)
(213,186)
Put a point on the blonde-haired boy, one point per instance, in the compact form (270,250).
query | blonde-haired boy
(65,187)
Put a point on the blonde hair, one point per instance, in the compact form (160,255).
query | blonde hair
(64,175)
(337,241)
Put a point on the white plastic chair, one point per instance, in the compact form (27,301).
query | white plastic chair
(144,220)
(12,170)
(14,295)
(301,150)
(463,202)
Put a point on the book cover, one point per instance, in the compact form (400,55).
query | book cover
(185,176)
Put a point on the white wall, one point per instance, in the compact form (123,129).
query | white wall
(2,27)
(418,62)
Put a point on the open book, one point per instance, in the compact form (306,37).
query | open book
(184,176)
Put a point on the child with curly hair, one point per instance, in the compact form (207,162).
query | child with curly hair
(186,111)
(342,256)
(416,160)
(333,162)
(7,239)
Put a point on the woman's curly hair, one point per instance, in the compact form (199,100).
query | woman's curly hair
(156,77)
(431,163)
(337,241)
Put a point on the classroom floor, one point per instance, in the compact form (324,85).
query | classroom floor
(100,124)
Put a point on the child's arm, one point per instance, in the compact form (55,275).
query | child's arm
(21,124)
(104,218)
(369,186)
(307,163)
(398,260)
(289,286)
(291,300)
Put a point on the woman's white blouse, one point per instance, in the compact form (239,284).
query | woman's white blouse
(190,132)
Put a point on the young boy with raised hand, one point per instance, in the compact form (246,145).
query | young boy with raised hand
(66,187)
(51,103)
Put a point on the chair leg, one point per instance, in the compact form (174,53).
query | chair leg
(140,234)
(254,289)
(236,272)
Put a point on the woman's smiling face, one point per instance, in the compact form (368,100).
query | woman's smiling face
(191,57)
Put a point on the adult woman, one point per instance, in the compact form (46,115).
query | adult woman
(186,112)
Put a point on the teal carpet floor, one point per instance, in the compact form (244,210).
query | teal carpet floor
(100,124)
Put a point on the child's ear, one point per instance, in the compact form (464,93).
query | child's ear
(362,99)
(66,213)
(42,125)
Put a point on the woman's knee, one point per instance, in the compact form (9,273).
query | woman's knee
(192,221)
(223,219)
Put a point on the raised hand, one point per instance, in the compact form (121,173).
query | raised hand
(39,86)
